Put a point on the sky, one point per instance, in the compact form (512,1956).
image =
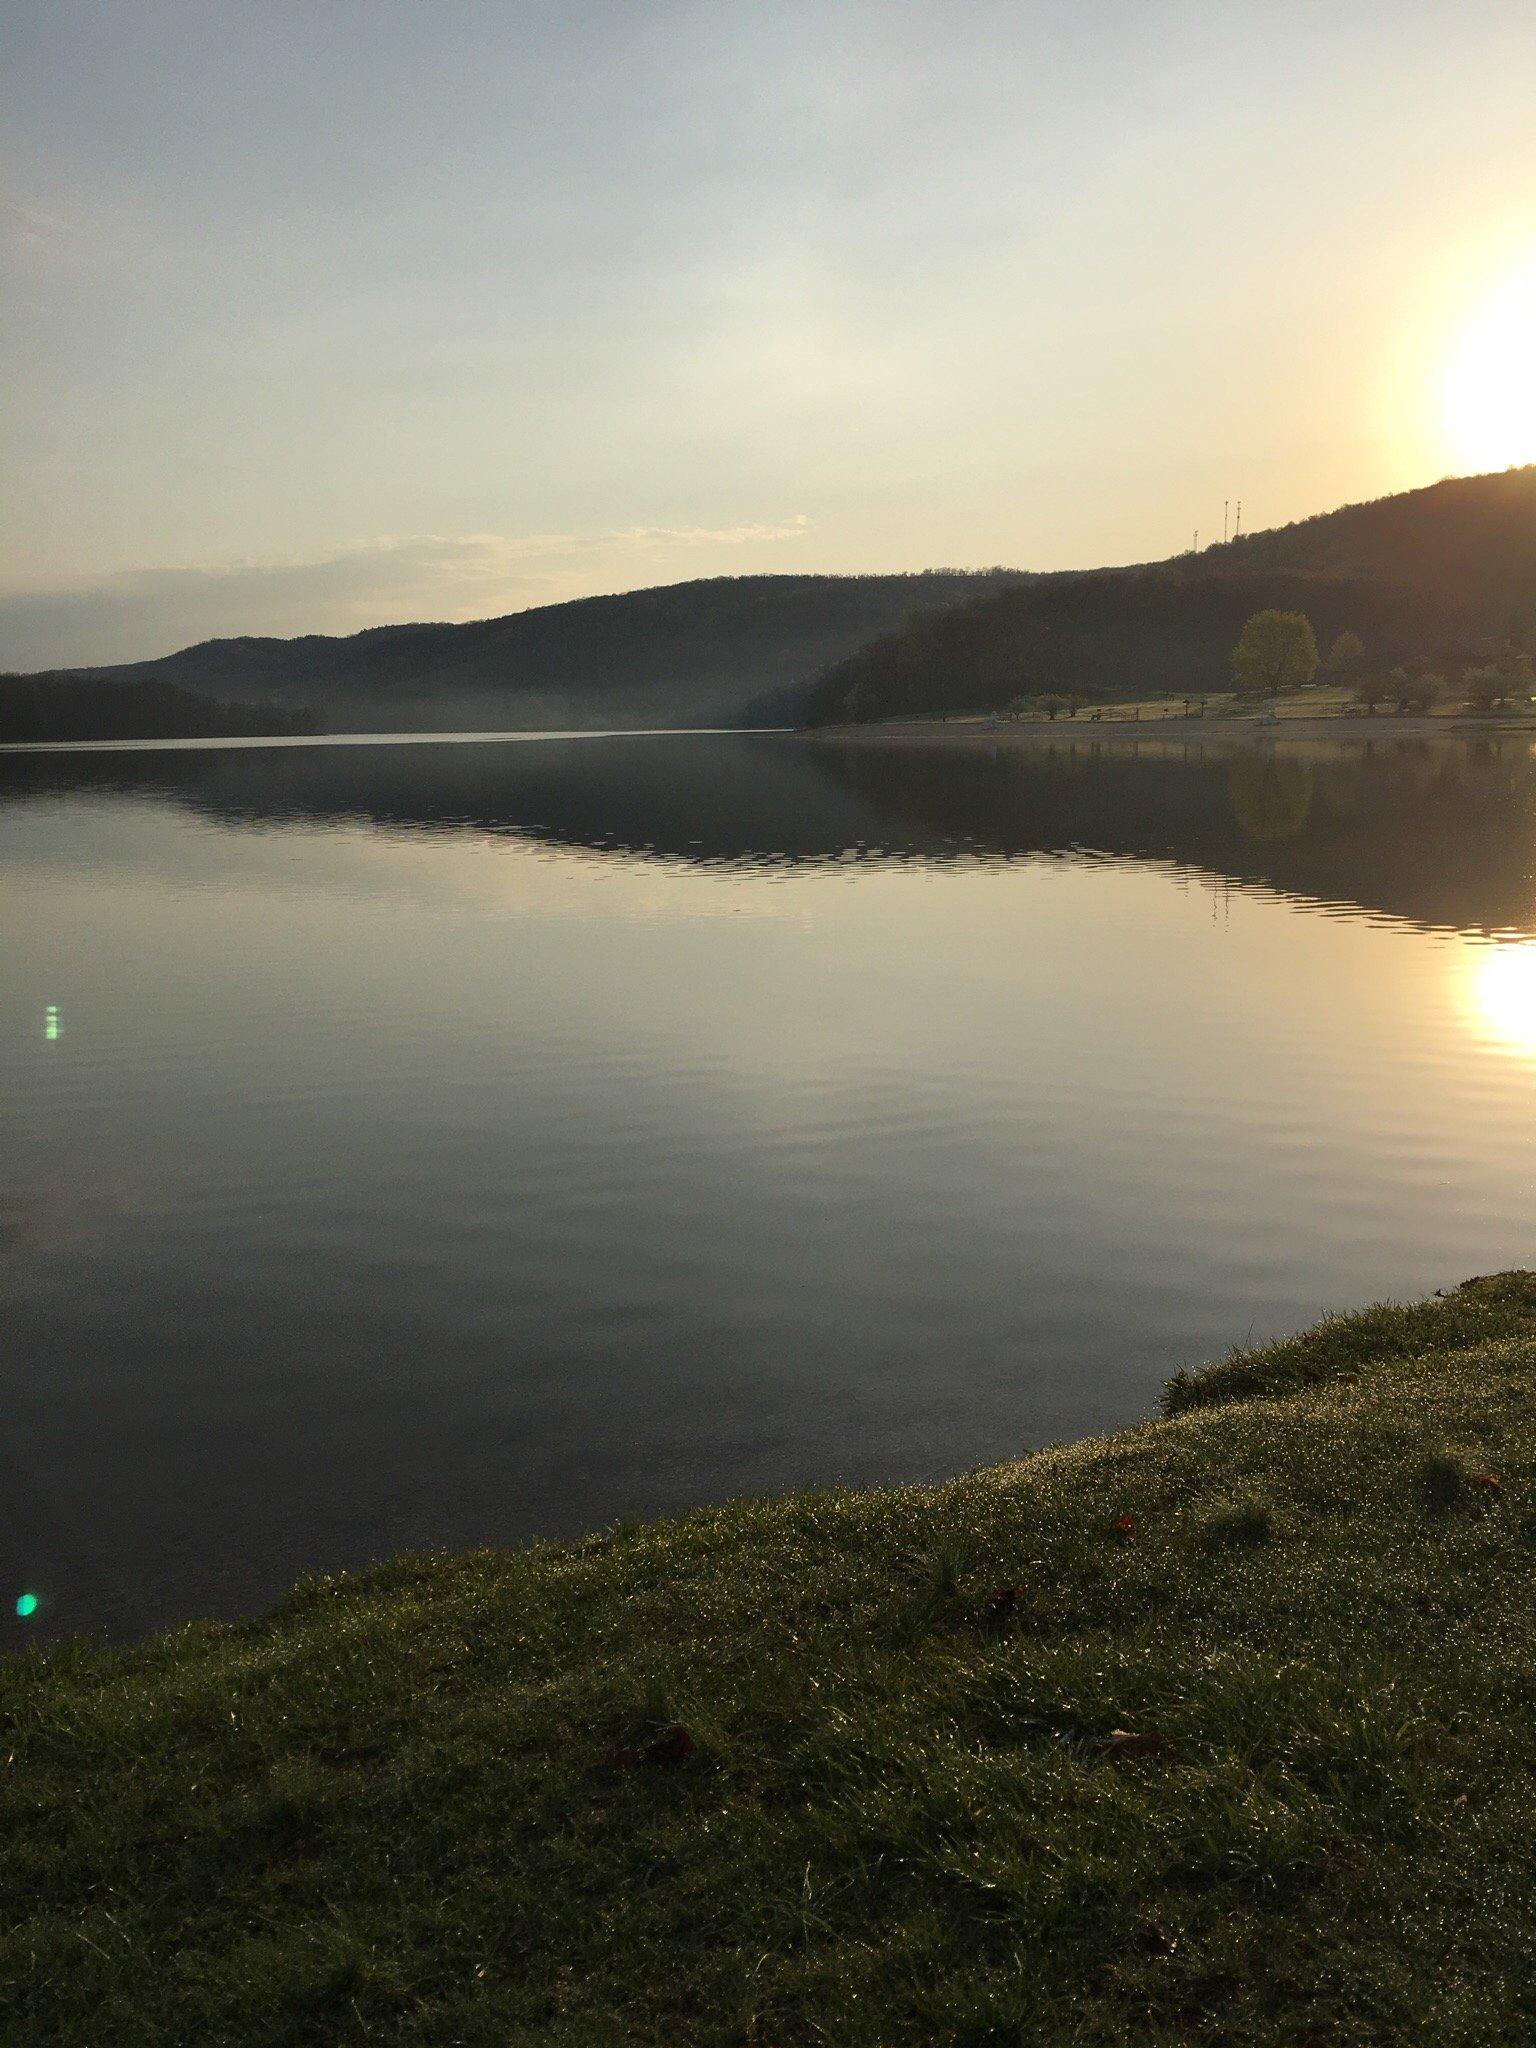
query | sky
(320,317)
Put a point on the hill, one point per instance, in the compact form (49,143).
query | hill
(1471,538)
(67,707)
(1439,573)
(1215,1731)
(721,651)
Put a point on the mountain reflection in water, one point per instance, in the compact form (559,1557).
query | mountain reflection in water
(1440,833)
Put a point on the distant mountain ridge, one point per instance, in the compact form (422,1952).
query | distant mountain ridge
(720,651)
(1447,573)
(1438,572)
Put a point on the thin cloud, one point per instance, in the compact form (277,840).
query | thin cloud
(27,226)
(711,536)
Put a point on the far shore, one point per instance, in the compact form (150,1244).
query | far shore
(1192,730)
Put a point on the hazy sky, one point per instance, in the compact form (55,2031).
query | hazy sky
(322,315)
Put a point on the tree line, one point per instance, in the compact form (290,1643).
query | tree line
(1109,636)
(63,707)
(1277,653)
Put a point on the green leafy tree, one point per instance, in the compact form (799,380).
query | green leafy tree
(1276,651)
(1374,688)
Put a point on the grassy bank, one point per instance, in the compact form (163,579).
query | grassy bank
(1296,722)
(1219,1730)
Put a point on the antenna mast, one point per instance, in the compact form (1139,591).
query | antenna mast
(1226,520)
(1238,529)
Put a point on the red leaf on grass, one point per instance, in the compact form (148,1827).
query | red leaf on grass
(1004,1600)
(673,1746)
(1124,1526)
(1486,1480)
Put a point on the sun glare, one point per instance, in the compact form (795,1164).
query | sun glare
(1503,990)
(1490,379)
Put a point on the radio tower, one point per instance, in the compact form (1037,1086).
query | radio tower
(1226,520)
(1238,528)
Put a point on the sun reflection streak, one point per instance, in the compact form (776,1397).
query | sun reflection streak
(1502,989)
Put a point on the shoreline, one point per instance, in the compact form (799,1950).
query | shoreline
(1209,1728)
(1243,731)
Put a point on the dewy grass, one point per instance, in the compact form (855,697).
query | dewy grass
(1497,1305)
(1026,1758)
(1444,1480)
(1240,1524)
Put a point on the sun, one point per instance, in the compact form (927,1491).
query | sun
(1490,379)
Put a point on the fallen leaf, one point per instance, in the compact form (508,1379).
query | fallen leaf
(1486,1480)
(674,1746)
(1121,1742)
(1124,1526)
(1003,1600)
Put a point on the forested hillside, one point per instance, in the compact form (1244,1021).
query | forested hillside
(1440,573)
(41,708)
(1445,573)
(725,651)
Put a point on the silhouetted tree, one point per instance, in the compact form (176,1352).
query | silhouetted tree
(1483,686)
(1519,674)
(1419,689)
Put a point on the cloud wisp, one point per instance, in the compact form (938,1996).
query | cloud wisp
(384,581)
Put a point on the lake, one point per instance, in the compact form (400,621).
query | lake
(448,1144)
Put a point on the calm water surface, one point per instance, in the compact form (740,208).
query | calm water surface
(415,1145)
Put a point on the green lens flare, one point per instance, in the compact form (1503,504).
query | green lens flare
(26,1605)
(51,1023)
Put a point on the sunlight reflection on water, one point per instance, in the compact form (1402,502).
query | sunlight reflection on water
(1501,983)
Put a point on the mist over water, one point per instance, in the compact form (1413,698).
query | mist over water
(411,1146)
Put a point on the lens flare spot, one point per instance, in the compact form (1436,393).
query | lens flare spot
(26,1606)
